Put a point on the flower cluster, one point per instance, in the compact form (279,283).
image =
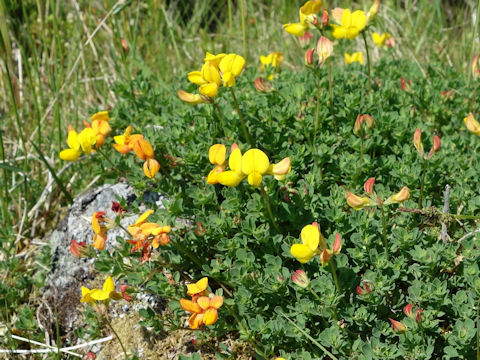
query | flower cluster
(324,51)
(142,148)
(313,243)
(366,119)
(146,235)
(107,293)
(417,142)
(93,134)
(203,306)
(308,18)
(349,24)
(253,165)
(217,70)
(359,202)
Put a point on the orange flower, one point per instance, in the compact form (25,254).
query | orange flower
(145,234)
(204,310)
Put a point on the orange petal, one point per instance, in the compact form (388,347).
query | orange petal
(190,306)
(210,316)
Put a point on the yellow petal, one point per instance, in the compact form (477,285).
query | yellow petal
(255,179)
(311,7)
(255,160)
(70,154)
(99,295)
(87,139)
(217,153)
(359,20)
(108,285)
(210,89)
(72,140)
(196,78)
(228,79)
(101,115)
(230,178)
(238,64)
(297,29)
(195,321)
(203,302)
(235,160)
(310,236)
(301,252)
(210,316)
(346,18)
(210,73)
(197,288)
(339,32)
(216,302)
(143,217)
(151,167)
(214,59)
(281,168)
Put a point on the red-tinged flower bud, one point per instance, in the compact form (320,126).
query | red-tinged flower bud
(435,147)
(360,291)
(200,230)
(262,85)
(448,95)
(337,245)
(124,45)
(233,147)
(117,208)
(475,69)
(357,202)
(314,22)
(369,120)
(325,18)
(390,42)
(299,278)
(364,288)
(417,141)
(194,342)
(91,355)
(305,39)
(407,310)
(418,316)
(368,186)
(325,256)
(79,249)
(123,289)
(324,50)
(309,57)
(316,224)
(397,326)
(406,85)
(357,127)
(399,197)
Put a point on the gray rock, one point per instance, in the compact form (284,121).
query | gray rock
(69,273)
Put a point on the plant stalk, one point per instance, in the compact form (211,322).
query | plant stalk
(422,183)
(269,208)
(240,116)
(118,337)
(368,61)
(335,277)
(384,233)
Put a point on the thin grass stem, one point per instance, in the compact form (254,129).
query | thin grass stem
(269,208)
(368,61)
(242,122)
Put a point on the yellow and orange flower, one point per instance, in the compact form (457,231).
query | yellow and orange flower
(308,18)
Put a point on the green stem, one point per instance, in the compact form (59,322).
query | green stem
(317,112)
(478,331)
(464,217)
(252,340)
(230,22)
(335,277)
(106,158)
(220,115)
(360,162)
(240,116)
(320,346)
(330,90)
(118,337)
(243,9)
(269,209)
(368,61)
(384,233)
(188,253)
(422,183)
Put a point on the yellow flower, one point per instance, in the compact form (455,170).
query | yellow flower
(355,57)
(254,164)
(214,59)
(234,176)
(312,243)
(274,59)
(204,310)
(198,288)
(351,24)
(151,167)
(216,155)
(105,294)
(78,143)
(230,67)
(380,40)
(308,17)
(472,125)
